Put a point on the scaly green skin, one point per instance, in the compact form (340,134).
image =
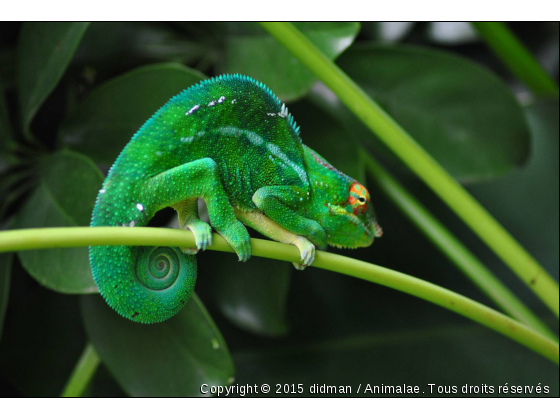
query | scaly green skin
(231,142)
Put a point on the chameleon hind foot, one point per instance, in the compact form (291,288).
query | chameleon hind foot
(202,235)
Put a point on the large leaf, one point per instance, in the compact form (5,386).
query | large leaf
(463,115)
(65,197)
(106,119)
(526,201)
(44,51)
(5,274)
(252,296)
(42,343)
(110,46)
(171,359)
(253,52)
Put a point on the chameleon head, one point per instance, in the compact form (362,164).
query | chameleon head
(352,224)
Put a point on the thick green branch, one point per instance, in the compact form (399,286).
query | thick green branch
(26,239)
(82,373)
(516,57)
(417,159)
(452,248)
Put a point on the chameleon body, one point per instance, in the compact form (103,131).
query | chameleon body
(230,142)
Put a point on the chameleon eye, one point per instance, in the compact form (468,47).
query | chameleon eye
(358,198)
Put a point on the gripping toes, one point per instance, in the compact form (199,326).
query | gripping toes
(237,236)
(202,235)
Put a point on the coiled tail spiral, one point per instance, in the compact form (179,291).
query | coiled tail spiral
(144,284)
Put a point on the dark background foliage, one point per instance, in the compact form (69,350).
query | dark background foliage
(71,96)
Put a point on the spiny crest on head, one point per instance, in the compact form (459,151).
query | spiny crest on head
(329,166)
(240,77)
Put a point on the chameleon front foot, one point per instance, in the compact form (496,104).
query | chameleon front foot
(202,235)
(307,252)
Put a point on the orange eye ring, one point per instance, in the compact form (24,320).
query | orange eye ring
(358,197)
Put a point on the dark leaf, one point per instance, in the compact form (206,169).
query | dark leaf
(464,116)
(106,119)
(44,51)
(252,296)
(171,359)
(526,202)
(65,197)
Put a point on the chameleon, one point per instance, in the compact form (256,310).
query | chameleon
(230,142)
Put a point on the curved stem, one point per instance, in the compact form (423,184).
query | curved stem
(516,57)
(419,161)
(82,373)
(452,248)
(19,240)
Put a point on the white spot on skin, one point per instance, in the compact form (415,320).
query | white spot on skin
(187,139)
(233,101)
(140,207)
(193,109)
(212,103)
(132,223)
(222,99)
(158,153)
(102,191)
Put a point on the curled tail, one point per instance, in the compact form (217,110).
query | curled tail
(144,284)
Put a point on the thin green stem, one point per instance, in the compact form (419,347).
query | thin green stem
(516,57)
(70,237)
(452,248)
(82,373)
(419,161)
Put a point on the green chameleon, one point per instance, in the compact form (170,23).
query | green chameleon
(231,142)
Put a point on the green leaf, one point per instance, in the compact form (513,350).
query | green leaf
(526,201)
(252,296)
(253,52)
(463,115)
(44,51)
(106,119)
(42,342)
(110,46)
(171,359)
(5,274)
(65,197)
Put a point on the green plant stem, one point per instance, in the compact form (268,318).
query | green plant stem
(419,161)
(516,57)
(82,373)
(70,237)
(452,248)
